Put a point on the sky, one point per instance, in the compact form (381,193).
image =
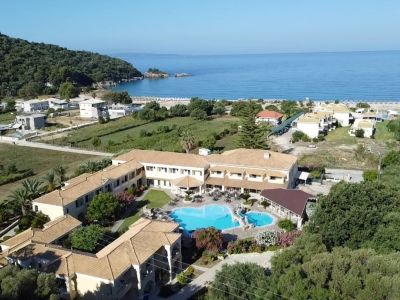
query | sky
(206,26)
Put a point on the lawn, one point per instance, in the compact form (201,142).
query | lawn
(341,136)
(39,160)
(6,118)
(382,133)
(153,199)
(128,133)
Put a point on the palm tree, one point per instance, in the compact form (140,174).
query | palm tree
(60,171)
(32,187)
(19,198)
(187,140)
(50,178)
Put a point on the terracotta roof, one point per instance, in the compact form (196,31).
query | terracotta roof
(165,158)
(52,231)
(253,158)
(186,181)
(86,183)
(136,246)
(269,114)
(293,200)
(363,123)
(243,183)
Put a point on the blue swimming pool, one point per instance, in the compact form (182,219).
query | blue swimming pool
(215,215)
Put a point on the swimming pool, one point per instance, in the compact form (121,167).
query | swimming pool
(215,215)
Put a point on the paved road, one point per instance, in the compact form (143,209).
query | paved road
(262,259)
(58,148)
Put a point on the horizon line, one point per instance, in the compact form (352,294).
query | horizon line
(246,54)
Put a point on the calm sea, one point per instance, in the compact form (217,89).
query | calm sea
(319,76)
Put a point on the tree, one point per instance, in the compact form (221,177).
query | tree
(362,105)
(209,142)
(198,114)
(290,108)
(386,238)
(19,198)
(39,220)
(187,140)
(126,198)
(391,158)
(61,172)
(67,91)
(118,97)
(240,108)
(359,133)
(239,281)
(362,207)
(50,179)
(103,208)
(251,135)
(46,286)
(209,239)
(31,89)
(87,238)
(200,104)
(178,110)
(218,108)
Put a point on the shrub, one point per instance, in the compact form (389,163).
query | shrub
(125,198)
(209,239)
(286,239)
(359,133)
(321,137)
(299,136)
(87,238)
(103,208)
(286,224)
(39,220)
(182,279)
(208,257)
(244,246)
(265,203)
(370,175)
(267,238)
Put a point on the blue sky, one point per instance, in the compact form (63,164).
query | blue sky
(206,26)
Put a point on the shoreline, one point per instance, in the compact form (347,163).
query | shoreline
(171,101)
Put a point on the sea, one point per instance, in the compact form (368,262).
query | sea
(370,76)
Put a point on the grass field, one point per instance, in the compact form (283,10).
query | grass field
(7,118)
(39,160)
(382,133)
(154,198)
(125,134)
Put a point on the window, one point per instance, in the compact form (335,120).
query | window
(253,176)
(86,198)
(79,202)
(117,183)
(150,168)
(173,170)
(36,208)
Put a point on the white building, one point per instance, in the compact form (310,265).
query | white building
(268,116)
(339,111)
(314,124)
(30,122)
(93,108)
(119,110)
(34,105)
(58,104)
(367,125)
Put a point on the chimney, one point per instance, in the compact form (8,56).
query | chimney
(267,154)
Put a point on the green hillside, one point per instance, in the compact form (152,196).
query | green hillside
(26,67)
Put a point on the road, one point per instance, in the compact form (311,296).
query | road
(261,259)
(57,148)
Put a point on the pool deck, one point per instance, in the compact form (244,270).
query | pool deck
(234,233)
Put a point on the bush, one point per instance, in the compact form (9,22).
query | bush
(286,239)
(267,238)
(209,239)
(286,224)
(265,203)
(359,133)
(370,175)
(244,246)
(208,257)
(87,238)
(39,220)
(299,136)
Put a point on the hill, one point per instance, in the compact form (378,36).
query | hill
(27,68)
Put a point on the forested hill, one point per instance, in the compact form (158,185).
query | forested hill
(26,67)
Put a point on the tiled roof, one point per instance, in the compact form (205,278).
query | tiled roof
(253,158)
(269,114)
(186,181)
(164,158)
(293,200)
(52,231)
(139,243)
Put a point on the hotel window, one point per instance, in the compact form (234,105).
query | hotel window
(36,208)
(126,178)
(132,175)
(186,171)
(150,168)
(217,172)
(86,198)
(79,202)
(253,176)
(173,170)
(117,183)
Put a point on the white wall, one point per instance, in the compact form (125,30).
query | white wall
(53,211)
(86,283)
(310,129)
